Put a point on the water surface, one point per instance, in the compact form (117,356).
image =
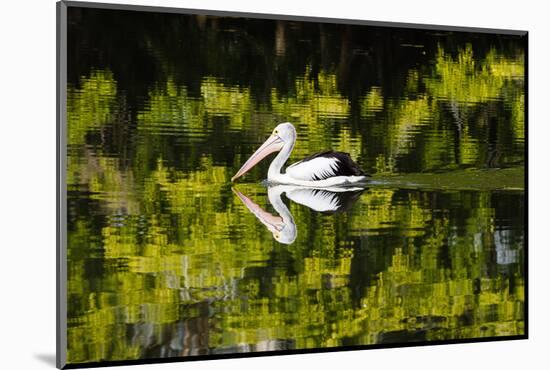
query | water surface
(166,259)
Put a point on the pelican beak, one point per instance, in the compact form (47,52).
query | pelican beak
(273,144)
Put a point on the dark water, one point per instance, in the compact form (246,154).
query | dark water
(168,258)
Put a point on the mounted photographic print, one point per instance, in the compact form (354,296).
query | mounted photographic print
(236,184)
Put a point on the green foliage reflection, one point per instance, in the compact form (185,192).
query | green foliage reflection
(165,261)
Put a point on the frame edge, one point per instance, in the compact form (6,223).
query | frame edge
(289,17)
(61,197)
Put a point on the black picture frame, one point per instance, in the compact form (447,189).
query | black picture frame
(61,189)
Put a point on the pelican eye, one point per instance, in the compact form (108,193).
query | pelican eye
(276,132)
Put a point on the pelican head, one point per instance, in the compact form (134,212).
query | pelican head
(283,136)
(286,132)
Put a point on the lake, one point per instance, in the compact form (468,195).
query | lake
(168,258)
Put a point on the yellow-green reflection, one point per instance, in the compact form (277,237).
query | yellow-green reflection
(164,260)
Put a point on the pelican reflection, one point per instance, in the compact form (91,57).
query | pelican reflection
(282,225)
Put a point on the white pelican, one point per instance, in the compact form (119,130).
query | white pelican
(324,169)
(282,225)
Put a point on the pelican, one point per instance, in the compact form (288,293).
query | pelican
(324,169)
(282,225)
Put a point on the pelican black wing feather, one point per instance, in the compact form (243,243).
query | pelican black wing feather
(342,165)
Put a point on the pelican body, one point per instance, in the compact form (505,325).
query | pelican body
(324,169)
